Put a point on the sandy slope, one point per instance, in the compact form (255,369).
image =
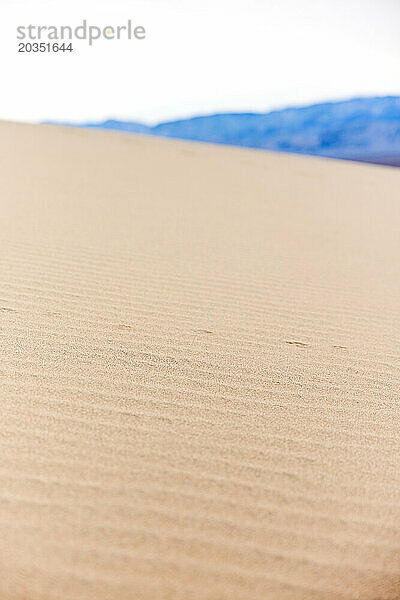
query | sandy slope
(199,372)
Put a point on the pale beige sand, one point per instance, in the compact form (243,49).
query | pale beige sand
(199,377)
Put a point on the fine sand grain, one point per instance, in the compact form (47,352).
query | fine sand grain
(199,372)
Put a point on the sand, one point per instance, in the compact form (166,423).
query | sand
(199,372)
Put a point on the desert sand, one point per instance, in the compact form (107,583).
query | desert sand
(199,373)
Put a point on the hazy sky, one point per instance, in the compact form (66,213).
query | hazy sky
(200,56)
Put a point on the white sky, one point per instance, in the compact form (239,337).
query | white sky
(200,56)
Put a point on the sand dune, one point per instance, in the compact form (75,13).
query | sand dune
(199,376)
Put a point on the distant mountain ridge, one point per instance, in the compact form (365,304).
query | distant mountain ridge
(365,129)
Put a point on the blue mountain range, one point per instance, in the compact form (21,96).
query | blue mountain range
(364,129)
